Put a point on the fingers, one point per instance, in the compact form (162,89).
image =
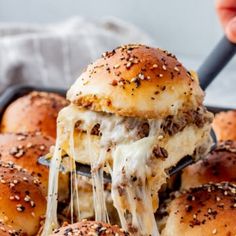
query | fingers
(226,10)
(225,3)
(230,30)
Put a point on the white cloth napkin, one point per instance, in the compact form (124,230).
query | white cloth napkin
(56,54)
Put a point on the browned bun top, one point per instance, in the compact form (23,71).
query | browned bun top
(7,230)
(218,166)
(90,228)
(22,203)
(224,125)
(137,80)
(203,211)
(24,149)
(36,111)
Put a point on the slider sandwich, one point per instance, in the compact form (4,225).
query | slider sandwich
(134,113)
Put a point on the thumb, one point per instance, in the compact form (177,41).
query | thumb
(230,30)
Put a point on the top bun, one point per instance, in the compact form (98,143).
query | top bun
(137,81)
(224,125)
(85,228)
(24,149)
(36,111)
(203,211)
(8,230)
(22,204)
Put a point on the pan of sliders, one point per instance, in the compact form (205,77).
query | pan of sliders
(204,171)
(137,142)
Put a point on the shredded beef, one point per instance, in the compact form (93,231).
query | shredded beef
(96,130)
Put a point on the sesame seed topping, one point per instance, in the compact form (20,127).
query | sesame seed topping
(176,68)
(214,231)
(42,147)
(218,199)
(27,198)
(128,65)
(164,67)
(32,203)
(21,137)
(25,179)
(29,145)
(20,208)
(154,66)
(141,76)
(116,66)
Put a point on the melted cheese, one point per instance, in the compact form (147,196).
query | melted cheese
(130,190)
(136,176)
(51,214)
(97,163)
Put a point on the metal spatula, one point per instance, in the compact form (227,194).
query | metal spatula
(211,67)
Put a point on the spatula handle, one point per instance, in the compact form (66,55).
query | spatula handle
(216,61)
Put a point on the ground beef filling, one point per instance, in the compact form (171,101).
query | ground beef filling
(199,117)
(171,124)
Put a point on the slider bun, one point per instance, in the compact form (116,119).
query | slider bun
(218,166)
(22,203)
(90,228)
(7,230)
(24,149)
(139,81)
(224,125)
(204,211)
(36,111)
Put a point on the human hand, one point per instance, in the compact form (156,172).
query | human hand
(226,10)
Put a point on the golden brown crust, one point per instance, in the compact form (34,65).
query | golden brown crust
(6,230)
(136,80)
(85,228)
(36,111)
(22,204)
(218,166)
(224,125)
(24,149)
(206,210)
